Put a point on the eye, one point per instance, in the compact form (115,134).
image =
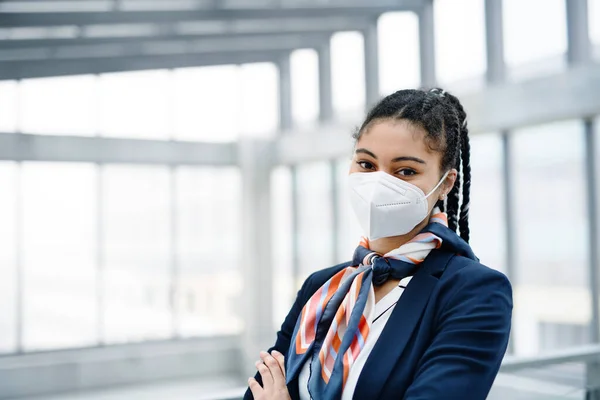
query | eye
(406,172)
(366,165)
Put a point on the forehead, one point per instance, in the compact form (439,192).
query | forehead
(393,138)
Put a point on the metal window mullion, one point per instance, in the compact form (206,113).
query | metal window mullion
(19,247)
(591,177)
(325,84)
(335,218)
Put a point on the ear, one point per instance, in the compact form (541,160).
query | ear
(448,183)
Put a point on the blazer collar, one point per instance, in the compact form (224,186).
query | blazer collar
(399,328)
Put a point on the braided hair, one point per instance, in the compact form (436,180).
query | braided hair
(444,120)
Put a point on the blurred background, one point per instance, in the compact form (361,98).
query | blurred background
(172,170)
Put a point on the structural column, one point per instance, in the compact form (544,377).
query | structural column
(495,75)
(427,44)
(255,162)
(371,51)
(578,40)
(325,90)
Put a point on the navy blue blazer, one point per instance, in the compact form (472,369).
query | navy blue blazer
(444,340)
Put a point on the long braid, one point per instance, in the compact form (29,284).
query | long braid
(453,201)
(465,156)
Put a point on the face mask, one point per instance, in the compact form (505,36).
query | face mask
(385,205)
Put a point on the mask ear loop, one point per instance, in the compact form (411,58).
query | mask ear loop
(439,183)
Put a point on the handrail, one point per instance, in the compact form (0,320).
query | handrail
(585,353)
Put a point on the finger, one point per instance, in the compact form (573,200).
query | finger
(255,387)
(280,359)
(265,373)
(274,368)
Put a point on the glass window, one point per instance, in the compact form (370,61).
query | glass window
(8,213)
(349,231)
(348,72)
(208,250)
(398,52)
(315,228)
(136,104)
(58,106)
(206,103)
(259,96)
(459,40)
(137,252)
(551,231)
(486,212)
(281,225)
(532,51)
(59,255)
(9,103)
(305,85)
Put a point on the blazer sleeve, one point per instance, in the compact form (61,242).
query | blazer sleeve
(286,331)
(470,341)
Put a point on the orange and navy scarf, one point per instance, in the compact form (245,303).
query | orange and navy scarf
(335,322)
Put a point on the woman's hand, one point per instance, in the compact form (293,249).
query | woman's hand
(272,371)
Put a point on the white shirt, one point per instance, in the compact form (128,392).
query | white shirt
(385,303)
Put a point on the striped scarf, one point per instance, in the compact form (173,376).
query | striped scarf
(335,322)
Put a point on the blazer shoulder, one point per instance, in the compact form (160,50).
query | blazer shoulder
(465,272)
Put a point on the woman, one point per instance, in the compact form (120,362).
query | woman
(414,315)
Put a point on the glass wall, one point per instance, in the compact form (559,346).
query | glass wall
(122,253)
(460,43)
(398,34)
(531,52)
(487,218)
(8,256)
(551,286)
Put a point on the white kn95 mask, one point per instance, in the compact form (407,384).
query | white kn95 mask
(385,205)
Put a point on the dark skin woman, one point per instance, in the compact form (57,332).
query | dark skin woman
(414,315)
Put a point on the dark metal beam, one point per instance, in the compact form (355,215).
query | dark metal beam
(173,47)
(217,30)
(24,147)
(563,96)
(50,68)
(376,7)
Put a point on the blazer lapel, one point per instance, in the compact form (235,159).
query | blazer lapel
(399,328)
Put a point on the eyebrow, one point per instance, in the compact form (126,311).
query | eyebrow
(404,158)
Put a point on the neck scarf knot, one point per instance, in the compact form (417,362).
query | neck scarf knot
(335,322)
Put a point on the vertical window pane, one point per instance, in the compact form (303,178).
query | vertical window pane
(259,94)
(207,103)
(349,231)
(315,228)
(59,106)
(348,72)
(9,103)
(486,214)
(551,232)
(8,212)
(136,239)
(398,51)
(59,248)
(305,85)
(208,243)
(135,104)
(459,40)
(281,215)
(534,49)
